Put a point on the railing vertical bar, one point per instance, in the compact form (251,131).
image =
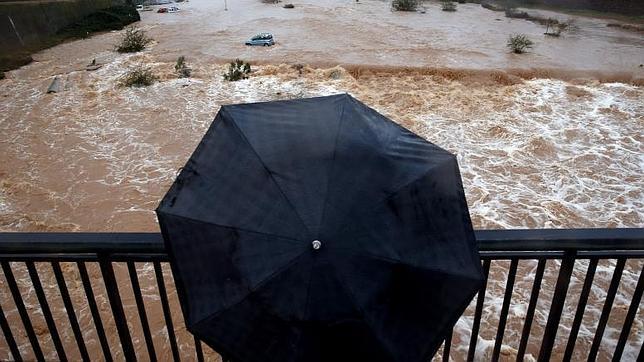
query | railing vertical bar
(117,307)
(198,350)
(608,305)
(509,287)
(158,271)
(581,308)
(478,312)
(630,316)
(534,297)
(448,345)
(46,311)
(141,308)
(96,316)
(8,336)
(20,305)
(69,307)
(556,307)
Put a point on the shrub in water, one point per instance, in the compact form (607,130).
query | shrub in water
(237,69)
(134,40)
(519,43)
(181,68)
(404,5)
(448,6)
(138,77)
(555,28)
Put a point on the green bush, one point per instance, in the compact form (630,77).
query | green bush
(181,68)
(134,40)
(448,6)
(237,70)
(138,77)
(519,43)
(404,5)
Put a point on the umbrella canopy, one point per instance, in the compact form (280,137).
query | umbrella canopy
(319,230)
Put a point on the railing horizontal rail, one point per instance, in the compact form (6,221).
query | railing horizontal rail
(518,240)
(81,243)
(561,239)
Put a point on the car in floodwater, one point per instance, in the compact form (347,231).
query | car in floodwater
(172,9)
(265,39)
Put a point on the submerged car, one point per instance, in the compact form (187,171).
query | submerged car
(265,39)
(172,9)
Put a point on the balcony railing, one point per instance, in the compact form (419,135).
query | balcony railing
(562,251)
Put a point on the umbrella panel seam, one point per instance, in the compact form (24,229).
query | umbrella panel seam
(236,228)
(253,290)
(243,136)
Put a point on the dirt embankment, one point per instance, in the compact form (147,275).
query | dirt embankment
(29,26)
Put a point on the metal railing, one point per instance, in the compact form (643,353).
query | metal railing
(105,249)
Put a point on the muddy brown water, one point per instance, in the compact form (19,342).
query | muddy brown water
(560,150)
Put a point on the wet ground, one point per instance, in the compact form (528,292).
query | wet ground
(561,151)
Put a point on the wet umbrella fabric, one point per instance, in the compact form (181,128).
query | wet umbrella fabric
(319,230)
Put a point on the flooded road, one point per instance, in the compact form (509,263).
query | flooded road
(559,150)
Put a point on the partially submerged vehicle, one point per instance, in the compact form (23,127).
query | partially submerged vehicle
(265,39)
(172,9)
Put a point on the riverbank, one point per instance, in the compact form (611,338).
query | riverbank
(368,35)
(36,25)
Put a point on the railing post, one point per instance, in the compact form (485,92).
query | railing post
(630,316)
(608,305)
(558,300)
(117,307)
(478,312)
(509,287)
(534,297)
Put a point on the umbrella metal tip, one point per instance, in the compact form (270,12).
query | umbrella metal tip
(317,244)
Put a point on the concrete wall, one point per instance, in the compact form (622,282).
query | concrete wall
(28,24)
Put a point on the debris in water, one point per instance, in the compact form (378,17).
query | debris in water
(93,66)
(54,87)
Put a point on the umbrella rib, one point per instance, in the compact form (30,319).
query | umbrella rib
(298,241)
(363,315)
(399,261)
(241,133)
(392,194)
(332,166)
(251,291)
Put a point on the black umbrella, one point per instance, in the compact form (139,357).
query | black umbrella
(319,230)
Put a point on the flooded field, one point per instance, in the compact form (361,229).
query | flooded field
(548,139)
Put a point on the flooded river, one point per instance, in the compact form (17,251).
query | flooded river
(549,139)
